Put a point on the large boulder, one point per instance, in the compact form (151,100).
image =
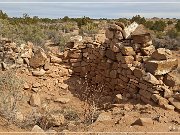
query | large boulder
(161,67)
(39,59)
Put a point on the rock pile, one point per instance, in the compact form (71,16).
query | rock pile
(127,63)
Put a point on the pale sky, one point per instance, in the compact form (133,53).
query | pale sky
(94,10)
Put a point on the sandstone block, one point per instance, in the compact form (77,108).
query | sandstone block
(109,34)
(161,67)
(39,73)
(162,54)
(55,59)
(39,59)
(150,78)
(127,59)
(147,51)
(35,100)
(110,54)
(127,50)
(143,122)
(175,102)
(113,74)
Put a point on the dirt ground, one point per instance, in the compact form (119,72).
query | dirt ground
(122,115)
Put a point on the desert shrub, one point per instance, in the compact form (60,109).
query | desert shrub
(10,94)
(172,33)
(167,42)
(177,26)
(170,22)
(89,28)
(138,19)
(62,41)
(68,27)
(149,24)
(159,26)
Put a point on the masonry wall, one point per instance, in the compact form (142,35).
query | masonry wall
(131,67)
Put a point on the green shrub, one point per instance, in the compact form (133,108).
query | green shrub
(172,33)
(159,26)
(177,26)
(89,28)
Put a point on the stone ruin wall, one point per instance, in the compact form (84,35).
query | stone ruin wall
(126,64)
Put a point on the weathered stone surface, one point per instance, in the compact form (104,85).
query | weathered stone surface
(177,96)
(127,50)
(129,29)
(113,74)
(143,122)
(110,54)
(36,130)
(161,67)
(127,59)
(138,72)
(162,54)
(100,38)
(39,59)
(147,51)
(56,119)
(118,98)
(114,47)
(55,59)
(175,102)
(150,78)
(119,35)
(26,86)
(115,27)
(109,34)
(36,85)
(170,80)
(75,55)
(62,100)
(35,100)
(39,73)
(104,117)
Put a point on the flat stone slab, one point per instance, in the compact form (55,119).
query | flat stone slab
(161,67)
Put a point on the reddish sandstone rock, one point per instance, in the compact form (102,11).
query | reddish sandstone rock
(161,67)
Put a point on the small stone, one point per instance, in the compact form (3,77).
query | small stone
(55,59)
(127,51)
(46,67)
(62,100)
(56,119)
(36,85)
(35,100)
(150,78)
(177,96)
(37,130)
(113,74)
(19,117)
(118,98)
(147,51)
(39,73)
(169,107)
(143,122)
(110,54)
(64,86)
(104,117)
(26,86)
(39,59)
(170,80)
